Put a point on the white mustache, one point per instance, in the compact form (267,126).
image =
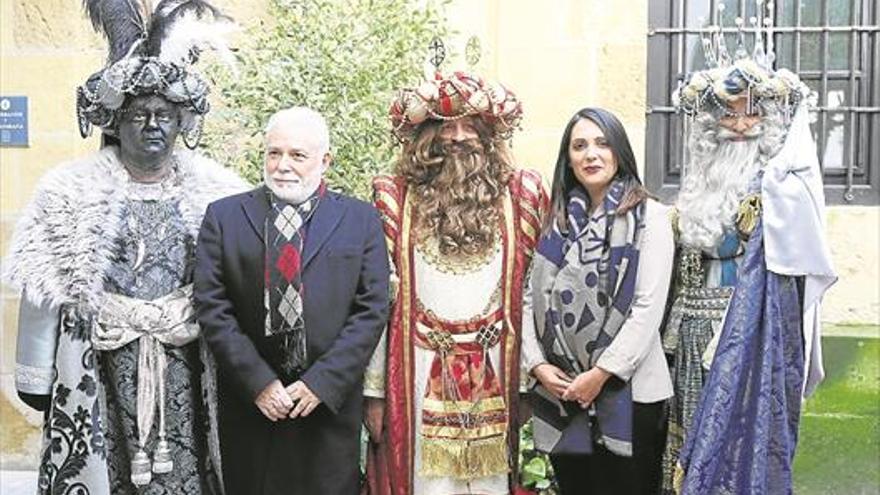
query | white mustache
(725,134)
(289,180)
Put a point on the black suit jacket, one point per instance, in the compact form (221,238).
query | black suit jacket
(345,303)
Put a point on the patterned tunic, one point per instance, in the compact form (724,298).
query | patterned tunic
(154,257)
(705,281)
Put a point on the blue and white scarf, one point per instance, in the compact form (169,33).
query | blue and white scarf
(583,282)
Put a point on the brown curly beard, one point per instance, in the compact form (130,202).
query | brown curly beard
(456,189)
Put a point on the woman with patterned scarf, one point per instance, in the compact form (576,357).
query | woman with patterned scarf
(599,283)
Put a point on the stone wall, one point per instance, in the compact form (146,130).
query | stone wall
(47,49)
(555,57)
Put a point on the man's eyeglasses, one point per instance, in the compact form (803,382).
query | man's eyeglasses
(140,116)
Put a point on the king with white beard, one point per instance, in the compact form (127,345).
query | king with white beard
(751,269)
(716,211)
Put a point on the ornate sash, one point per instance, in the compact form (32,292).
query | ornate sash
(464,418)
(168,320)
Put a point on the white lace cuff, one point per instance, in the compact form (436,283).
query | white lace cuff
(34,380)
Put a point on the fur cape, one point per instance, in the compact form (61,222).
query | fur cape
(61,250)
(63,243)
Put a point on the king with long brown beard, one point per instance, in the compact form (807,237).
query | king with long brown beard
(461,223)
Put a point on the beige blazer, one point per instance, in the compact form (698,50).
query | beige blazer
(636,353)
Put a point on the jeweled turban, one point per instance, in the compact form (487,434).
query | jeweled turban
(453,97)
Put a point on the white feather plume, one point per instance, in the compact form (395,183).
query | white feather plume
(191,32)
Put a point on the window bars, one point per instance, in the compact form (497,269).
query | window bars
(833,45)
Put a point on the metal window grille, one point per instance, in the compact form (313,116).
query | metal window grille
(833,45)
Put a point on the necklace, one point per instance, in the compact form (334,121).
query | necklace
(157,215)
(456,264)
(166,188)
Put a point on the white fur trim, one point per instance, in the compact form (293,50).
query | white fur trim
(63,243)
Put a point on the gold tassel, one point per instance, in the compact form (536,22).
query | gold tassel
(674,217)
(678,478)
(748,215)
(464,459)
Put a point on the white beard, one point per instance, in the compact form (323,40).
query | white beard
(711,193)
(719,174)
(297,192)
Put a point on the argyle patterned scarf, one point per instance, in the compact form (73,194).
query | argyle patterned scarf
(285,234)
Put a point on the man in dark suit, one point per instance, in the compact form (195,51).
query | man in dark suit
(291,286)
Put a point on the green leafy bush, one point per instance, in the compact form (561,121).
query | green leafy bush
(535,471)
(344,58)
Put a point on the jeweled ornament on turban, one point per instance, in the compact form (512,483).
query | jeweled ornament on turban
(452,97)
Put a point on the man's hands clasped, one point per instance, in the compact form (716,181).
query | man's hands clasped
(277,402)
(274,402)
(305,401)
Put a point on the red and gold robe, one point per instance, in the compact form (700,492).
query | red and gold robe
(416,413)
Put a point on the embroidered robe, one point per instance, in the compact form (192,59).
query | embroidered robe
(431,295)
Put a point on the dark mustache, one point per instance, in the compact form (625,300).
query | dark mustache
(466,147)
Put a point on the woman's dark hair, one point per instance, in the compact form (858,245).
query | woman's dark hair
(564,179)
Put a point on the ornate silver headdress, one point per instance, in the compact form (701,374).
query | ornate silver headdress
(152,50)
(749,75)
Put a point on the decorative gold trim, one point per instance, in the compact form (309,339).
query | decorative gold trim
(374,381)
(674,217)
(678,478)
(531,210)
(460,433)
(528,229)
(460,264)
(464,459)
(748,214)
(442,406)
(389,199)
(509,264)
(405,295)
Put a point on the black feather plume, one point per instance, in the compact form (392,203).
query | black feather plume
(122,22)
(169,11)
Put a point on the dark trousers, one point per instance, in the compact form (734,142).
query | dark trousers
(605,473)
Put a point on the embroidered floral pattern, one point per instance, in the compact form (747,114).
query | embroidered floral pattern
(72,434)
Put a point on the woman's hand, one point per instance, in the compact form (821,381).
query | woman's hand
(552,378)
(586,386)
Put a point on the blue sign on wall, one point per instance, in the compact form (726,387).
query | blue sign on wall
(13,121)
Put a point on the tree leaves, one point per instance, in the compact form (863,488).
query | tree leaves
(346,59)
